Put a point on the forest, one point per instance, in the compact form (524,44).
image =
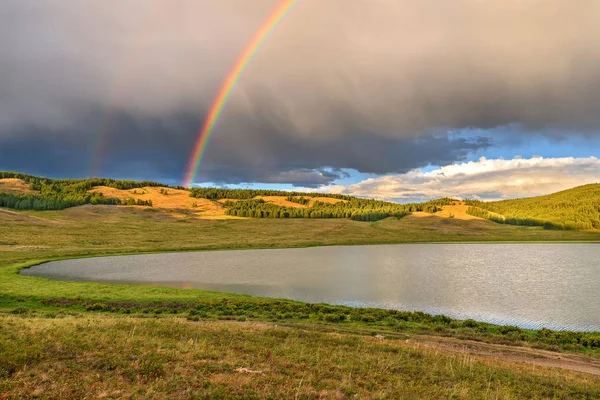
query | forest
(353,208)
(247,194)
(577,208)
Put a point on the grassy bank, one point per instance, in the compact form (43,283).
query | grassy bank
(100,357)
(31,237)
(34,237)
(103,229)
(41,318)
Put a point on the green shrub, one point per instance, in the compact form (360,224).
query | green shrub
(470,323)
(96,307)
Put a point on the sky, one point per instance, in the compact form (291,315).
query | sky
(402,100)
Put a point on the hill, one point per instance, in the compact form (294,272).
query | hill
(573,209)
(576,208)
(27,192)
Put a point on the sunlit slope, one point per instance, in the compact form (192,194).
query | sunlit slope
(179,200)
(577,208)
(14,185)
(457,211)
(48,194)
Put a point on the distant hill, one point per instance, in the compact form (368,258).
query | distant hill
(27,192)
(576,208)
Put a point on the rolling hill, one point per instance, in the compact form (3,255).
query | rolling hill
(27,192)
(576,208)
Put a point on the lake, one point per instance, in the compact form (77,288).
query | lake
(528,285)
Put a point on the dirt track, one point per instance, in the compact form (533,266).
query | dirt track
(523,355)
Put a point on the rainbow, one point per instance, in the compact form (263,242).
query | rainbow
(276,16)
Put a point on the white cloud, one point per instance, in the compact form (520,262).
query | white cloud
(483,179)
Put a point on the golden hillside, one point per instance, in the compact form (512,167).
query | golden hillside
(456,211)
(179,203)
(13,185)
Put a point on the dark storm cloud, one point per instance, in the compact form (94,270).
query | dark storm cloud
(158,148)
(368,85)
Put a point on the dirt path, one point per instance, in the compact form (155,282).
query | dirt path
(485,352)
(524,355)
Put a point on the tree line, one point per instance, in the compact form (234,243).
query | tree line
(354,208)
(37,183)
(41,203)
(247,194)
(299,200)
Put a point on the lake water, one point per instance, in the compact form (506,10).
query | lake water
(529,285)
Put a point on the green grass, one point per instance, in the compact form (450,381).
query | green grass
(57,323)
(102,230)
(576,208)
(33,237)
(96,357)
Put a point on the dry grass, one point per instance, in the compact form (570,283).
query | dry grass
(175,201)
(16,186)
(100,228)
(120,357)
(456,211)
(180,204)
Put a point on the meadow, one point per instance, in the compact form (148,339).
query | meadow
(97,356)
(77,339)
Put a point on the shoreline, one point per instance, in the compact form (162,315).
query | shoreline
(18,267)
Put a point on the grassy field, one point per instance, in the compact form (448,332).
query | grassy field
(70,339)
(31,237)
(101,357)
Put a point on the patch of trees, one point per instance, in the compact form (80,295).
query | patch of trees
(41,203)
(481,213)
(138,202)
(247,194)
(354,208)
(58,194)
(577,208)
(444,201)
(299,200)
(36,182)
